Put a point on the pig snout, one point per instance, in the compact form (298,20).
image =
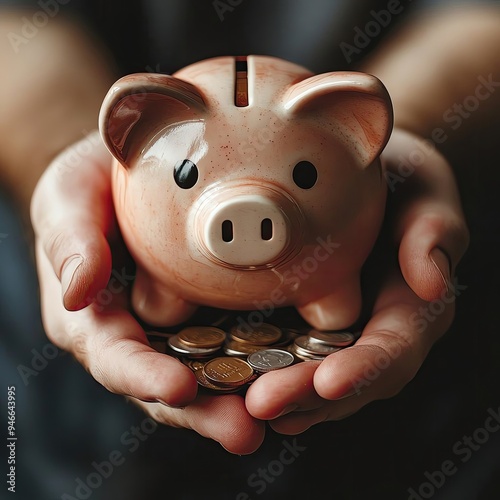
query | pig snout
(248,227)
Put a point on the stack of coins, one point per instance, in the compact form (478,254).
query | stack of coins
(225,374)
(197,341)
(316,345)
(229,362)
(245,341)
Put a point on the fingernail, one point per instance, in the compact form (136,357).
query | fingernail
(68,272)
(442,264)
(287,409)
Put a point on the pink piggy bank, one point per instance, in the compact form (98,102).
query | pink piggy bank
(248,183)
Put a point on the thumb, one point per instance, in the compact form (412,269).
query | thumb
(71,212)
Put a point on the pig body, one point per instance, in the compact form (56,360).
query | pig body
(272,203)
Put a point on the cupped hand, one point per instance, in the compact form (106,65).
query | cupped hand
(413,305)
(85,288)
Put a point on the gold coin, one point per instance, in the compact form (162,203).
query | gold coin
(228,372)
(189,351)
(262,335)
(233,348)
(202,337)
(204,382)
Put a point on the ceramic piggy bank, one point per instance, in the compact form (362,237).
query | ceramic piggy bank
(248,183)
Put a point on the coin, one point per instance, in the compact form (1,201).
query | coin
(233,348)
(193,352)
(193,364)
(304,345)
(337,339)
(264,334)
(306,357)
(228,371)
(267,360)
(202,336)
(204,382)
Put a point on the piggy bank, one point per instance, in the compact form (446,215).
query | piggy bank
(248,183)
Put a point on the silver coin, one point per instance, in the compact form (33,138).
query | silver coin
(193,352)
(267,360)
(304,357)
(304,345)
(336,339)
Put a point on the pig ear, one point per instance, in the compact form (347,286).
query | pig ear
(355,106)
(138,106)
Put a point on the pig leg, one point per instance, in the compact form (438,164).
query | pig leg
(156,304)
(335,311)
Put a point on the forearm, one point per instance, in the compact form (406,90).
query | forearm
(50,93)
(443,70)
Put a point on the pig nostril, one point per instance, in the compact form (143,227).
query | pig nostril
(266,229)
(227,231)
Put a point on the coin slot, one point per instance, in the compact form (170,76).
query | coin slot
(266,229)
(227,231)
(241,82)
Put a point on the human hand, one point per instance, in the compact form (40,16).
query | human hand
(388,337)
(86,309)
(428,232)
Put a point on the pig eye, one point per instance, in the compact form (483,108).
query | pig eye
(305,174)
(185,174)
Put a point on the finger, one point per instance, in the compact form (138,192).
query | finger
(431,227)
(221,418)
(156,304)
(282,391)
(391,349)
(112,346)
(72,212)
(298,422)
(287,399)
